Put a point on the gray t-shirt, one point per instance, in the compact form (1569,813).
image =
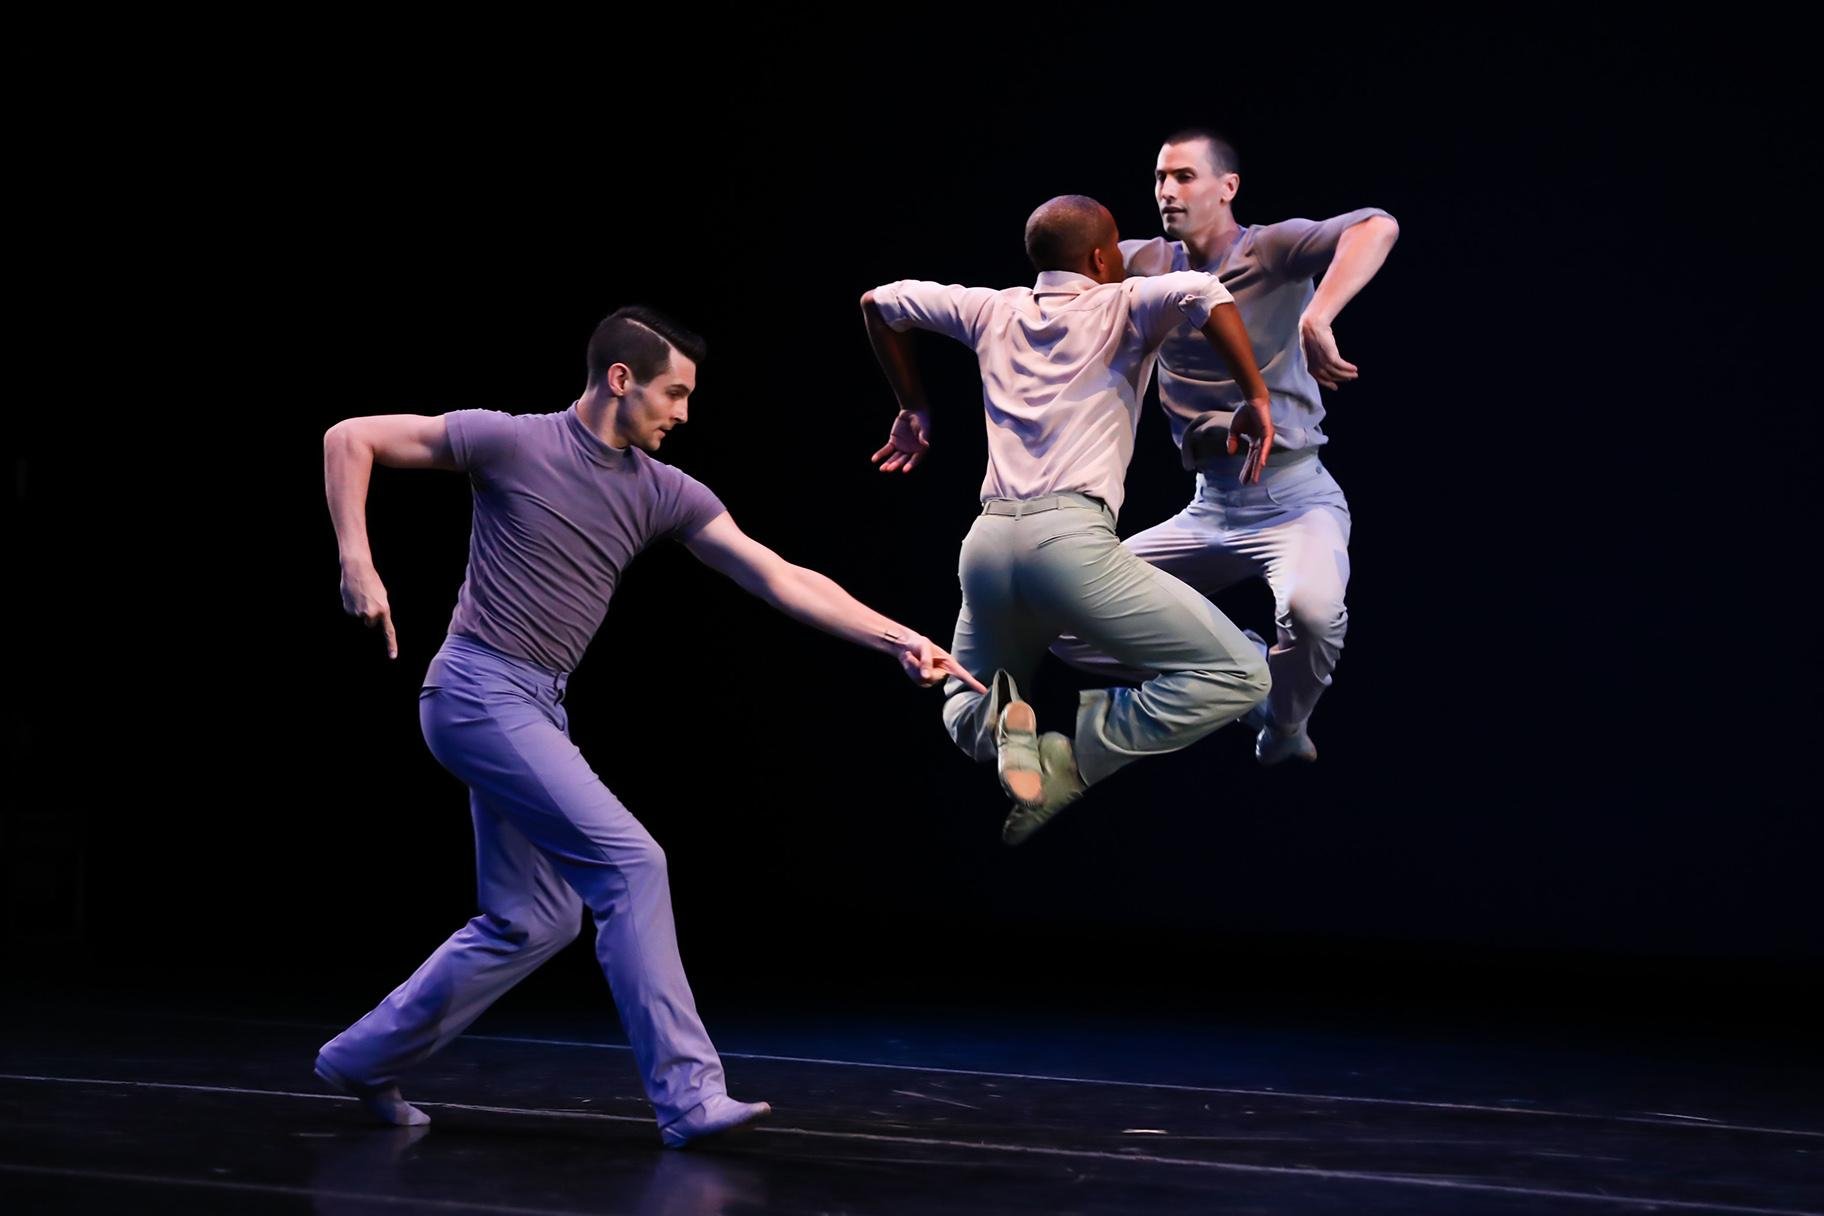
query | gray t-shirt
(558,515)
(1269,270)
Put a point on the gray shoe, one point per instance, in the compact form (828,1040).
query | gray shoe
(715,1116)
(382,1101)
(1062,786)
(1271,747)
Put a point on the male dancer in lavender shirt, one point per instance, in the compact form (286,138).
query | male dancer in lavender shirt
(1292,528)
(562,502)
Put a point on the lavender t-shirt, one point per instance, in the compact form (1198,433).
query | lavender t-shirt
(1269,270)
(558,515)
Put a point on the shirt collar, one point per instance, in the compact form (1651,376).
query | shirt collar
(593,446)
(1062,283)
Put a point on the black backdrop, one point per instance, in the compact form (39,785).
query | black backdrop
(1574,722)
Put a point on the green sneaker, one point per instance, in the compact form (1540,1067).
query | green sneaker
(1062,786)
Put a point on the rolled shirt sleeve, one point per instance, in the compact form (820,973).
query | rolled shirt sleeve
(948,309)
(1163,302)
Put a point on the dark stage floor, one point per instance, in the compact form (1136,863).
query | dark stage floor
(121,1109)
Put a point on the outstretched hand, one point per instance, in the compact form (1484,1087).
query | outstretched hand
(907,444)
(926,663)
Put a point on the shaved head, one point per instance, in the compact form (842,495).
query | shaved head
(1064,231)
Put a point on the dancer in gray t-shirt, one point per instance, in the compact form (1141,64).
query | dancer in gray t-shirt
(562,502)
(1292,528)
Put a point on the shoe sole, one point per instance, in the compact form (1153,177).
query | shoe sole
(1023,785)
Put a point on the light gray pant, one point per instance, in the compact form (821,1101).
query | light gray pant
(1291,529)
(1035,569)
(549,838)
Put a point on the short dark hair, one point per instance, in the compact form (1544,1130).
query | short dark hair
(643,339)
(1222,153)
(1061,233)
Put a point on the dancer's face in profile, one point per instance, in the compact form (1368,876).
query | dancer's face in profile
(648,411)
(1189,190)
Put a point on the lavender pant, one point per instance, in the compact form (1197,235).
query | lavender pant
(549,838)
(1292,529)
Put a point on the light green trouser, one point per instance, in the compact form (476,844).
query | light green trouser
(1036,568)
